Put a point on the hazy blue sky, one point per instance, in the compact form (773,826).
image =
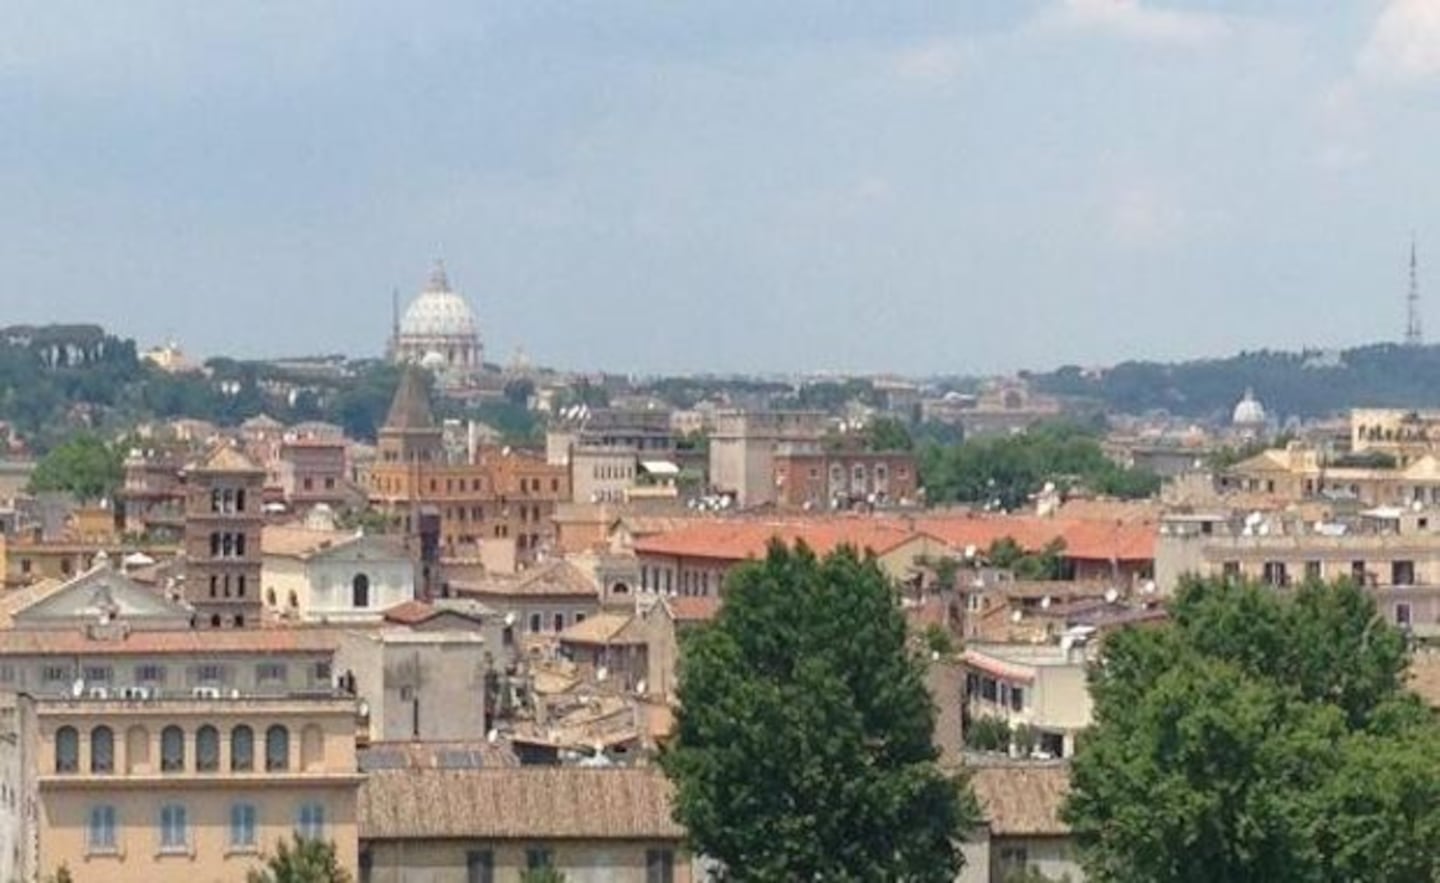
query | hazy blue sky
(726,184)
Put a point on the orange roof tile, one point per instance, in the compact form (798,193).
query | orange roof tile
(738,540)
(694,608)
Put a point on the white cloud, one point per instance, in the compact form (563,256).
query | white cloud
(1404,46)
(1132,20)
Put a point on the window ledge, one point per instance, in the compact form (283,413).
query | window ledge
(252,849)
(186,851)
(94,852)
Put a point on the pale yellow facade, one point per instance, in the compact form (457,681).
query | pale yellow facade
(176,800)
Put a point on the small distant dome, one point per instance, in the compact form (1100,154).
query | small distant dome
(438,311)
(1249,411)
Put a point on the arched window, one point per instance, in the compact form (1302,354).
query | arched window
(172,750)
(242,749)
(207,749)
(277,749)
(102,750)
(360,591)
(67,750)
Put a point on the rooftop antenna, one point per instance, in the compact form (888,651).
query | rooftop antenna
(1413,336)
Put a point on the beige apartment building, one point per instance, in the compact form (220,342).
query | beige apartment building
(186,790)
(1042,686)
(1395,553)
(743,446)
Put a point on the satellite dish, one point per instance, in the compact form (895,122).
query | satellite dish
(971,551)
(1045,603)
(1016,616)
(1149,587)
(493,736)
(1111,596)
(77,689)
(640,687)
(602,674)
(510,618)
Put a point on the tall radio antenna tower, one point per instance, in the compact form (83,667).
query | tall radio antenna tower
(1413,337)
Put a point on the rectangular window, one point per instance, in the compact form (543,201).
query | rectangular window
(1017,698)
(480,866)
(242,826)
(1230,570)
(534,623)
(1313,572)
(270,671)
(659,866)
(1402,615)
(150,674)
(55,673)
(99,674)
(537,857)
(1402,573)
(988,689)
(1274,574)
(310,824)
(100,835)
(209,673)
(174,836)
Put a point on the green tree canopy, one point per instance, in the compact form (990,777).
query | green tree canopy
(1005,471)
(84,466)
(804,745)
(1262,736)
(301,860)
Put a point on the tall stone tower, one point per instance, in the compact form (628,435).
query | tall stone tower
(223,520)
(411,449)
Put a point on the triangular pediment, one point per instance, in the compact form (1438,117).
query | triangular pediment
(101,592)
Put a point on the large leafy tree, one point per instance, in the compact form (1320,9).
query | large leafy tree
(301,860)
(1261,737)
(804,749)
(84,465)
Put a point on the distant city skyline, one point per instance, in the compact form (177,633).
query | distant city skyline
(726,187)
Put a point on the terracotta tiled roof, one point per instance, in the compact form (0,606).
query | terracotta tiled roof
(694,608)
(70,642)
(294,541)
(602,628)
(527,803)
(558,577)
(738,540)
(998,667)
(225,458)
(1084,539)
(15,601)
(410,612)
(1023,799)
(478,754)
